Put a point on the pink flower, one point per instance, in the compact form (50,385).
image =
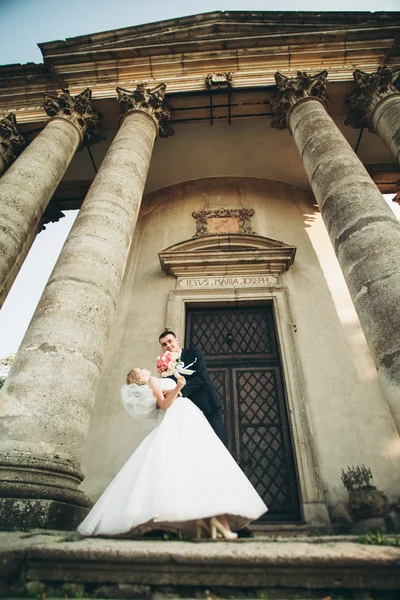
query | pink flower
(166,363)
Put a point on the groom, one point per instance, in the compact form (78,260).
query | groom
(198,387)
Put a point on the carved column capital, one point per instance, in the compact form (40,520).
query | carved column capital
(292,90)
(52,214)
(12,143)
(371,89)
(149,101)
(78,110)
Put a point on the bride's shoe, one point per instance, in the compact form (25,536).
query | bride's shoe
(217,526)
(202,526)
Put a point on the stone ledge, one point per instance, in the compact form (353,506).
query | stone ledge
(290,564)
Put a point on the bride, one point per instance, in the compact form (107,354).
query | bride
(181,477)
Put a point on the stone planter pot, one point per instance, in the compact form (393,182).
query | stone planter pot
(366,504)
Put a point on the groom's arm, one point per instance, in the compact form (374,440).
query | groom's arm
(199,378)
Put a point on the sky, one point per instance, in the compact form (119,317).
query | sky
(24,23)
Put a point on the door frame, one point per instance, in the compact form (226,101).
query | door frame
(312,499)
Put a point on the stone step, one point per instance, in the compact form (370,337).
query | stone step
(254,568)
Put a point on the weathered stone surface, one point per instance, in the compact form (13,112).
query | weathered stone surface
(23,514)
(363,230)
(238,564)
(13,548)
(28,185)
(386,123)
(167,569)
(64,345)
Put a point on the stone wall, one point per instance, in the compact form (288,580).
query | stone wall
(351,422)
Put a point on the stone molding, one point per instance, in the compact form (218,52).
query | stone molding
(371,89)
(242,215)
(310,485)
(292,90)
(149,101)
(78,110)
(12,142)
(227,254)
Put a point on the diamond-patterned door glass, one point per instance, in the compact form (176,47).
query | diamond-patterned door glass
(241,351)
(265,455)
(233,331)
(258,397)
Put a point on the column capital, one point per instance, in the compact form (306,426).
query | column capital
(150,101)
(371,89)
(12,143)
(78,110)
(52,214)
(292,90)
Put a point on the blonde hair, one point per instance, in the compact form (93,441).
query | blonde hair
(134,377)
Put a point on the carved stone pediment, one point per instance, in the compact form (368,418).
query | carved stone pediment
(227,254)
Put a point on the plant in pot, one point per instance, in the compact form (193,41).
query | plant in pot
(365,501)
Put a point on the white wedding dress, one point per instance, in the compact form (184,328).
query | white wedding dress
(180,472)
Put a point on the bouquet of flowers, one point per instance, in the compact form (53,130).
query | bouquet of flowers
(167,364)
(170,363)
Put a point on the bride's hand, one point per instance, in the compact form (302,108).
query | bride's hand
(180,382)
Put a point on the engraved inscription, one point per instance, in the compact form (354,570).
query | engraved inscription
(227,282)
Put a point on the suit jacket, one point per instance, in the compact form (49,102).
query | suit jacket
(198,386)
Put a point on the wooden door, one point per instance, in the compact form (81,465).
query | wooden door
(242,355)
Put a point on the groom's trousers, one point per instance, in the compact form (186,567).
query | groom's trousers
(215,420)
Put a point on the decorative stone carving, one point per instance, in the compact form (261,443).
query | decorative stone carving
(12,143)
(293,89)
(371,88)
(218,80)
(78,110)
(52,214)
(150,101)
(223,220)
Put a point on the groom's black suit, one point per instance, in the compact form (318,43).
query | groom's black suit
(200,390)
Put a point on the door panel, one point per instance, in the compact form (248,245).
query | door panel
(242,355)
(264,451)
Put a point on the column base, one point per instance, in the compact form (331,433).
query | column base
(24,513)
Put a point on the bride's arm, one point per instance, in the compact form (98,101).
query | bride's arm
(165,402)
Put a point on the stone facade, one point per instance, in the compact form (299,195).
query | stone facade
(237,214)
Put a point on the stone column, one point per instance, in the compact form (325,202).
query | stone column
(11,142)
(28,185)
(376,104)
(363,230)
(49,392)
(52,214)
